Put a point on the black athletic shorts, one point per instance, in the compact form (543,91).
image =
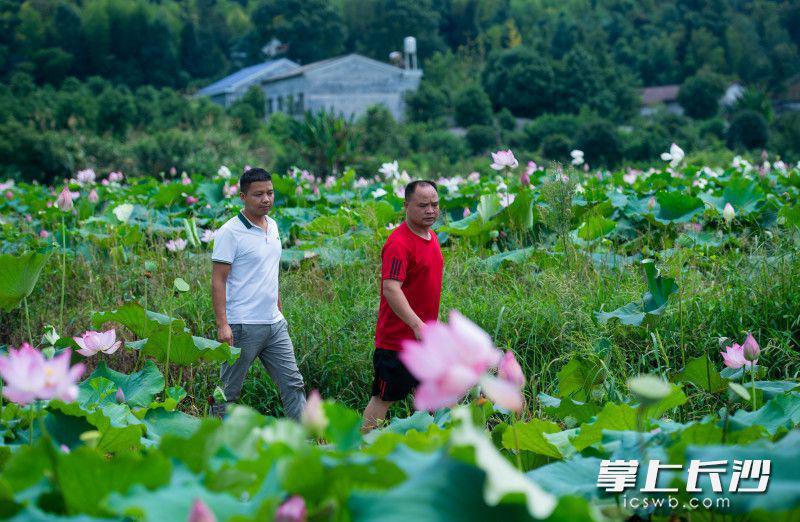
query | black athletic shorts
(392,382)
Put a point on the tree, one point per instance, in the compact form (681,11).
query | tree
(748,130)
(520,80)
(473,107)
(429,102)
(481,138)
(578,82)
(312,28)
(600,143)
(699,95)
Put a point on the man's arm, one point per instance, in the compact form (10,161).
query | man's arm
(280,305)
(219,277)
(392,290)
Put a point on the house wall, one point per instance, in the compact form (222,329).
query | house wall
(348,88)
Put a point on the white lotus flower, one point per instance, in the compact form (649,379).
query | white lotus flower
(577,157)
(123,212)
(378,193)
(674,156)
(728,213)
(224,172)
(390,170)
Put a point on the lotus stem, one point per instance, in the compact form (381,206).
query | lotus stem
(63,273)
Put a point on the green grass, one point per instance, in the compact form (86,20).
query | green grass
(542,313)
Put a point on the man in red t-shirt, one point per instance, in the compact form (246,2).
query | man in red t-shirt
(411,288)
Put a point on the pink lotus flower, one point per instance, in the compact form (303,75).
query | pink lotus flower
(173,171)
(299,190)
(208,235)
(115,176)
(64,200)
(185,180)
(85,176)
(504,393)
(28,218)
(92,342)
(313,416)
(44,234)
(510,370)
(293,510)
(120,396)
(93,197)
(29,376)
(329,181)
(474,177)
(750,349)
(201,512)
(734,356)
(191,200)
(105,182)
(448,361)
(315,190)
(525,179)
(531,168)
(9,194)
(175,245)
(467,212)
(502,159)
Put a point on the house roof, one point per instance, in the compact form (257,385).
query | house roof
(248,75)
(660,94)
(331,62)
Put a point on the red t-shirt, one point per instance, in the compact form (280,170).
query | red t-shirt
(418,264)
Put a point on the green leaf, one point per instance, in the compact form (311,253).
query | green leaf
(739,390)
(745,196)
(344,426)
(676,207)
(531,437)
(18,277)
(578,411)
(86,476)
(611,417)
(577,476)
(180,285)
(654,301)
(782,412)
(470,226)
(578,377)
(493,263)
(140,388)
(595,227)
(702,373)
(489,206)
(160,422)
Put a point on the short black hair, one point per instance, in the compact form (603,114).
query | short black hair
(251,176)
(412,187)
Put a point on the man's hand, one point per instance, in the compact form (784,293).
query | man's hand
(417,329)
(225,335)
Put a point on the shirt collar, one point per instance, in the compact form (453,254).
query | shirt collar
(246,222)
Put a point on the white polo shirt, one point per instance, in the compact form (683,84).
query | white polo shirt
(251,291)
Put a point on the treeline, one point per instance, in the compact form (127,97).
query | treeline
(183,43)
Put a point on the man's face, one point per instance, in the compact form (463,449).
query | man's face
(259,198)
(423,208)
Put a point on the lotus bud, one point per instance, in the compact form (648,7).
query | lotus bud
(64,200)
(728,213)
(649,389)
(751,349)
(120,396)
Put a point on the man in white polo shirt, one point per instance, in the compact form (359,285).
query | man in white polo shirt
(246,298)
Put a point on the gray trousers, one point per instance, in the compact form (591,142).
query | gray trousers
(272,345)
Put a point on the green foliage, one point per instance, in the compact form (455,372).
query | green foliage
(699,95)
(429,102)
(748,130)
(481,138)
(520,80)
(600,143)
(18,277)
(472,107)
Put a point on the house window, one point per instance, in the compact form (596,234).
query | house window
(270,107)
(290,104)
(280,103)
(300,107)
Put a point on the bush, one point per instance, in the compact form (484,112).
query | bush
(472,107)
(549,124)
(748,130)
(786,135)
(521,80)
(600,144)
(699,95)
(427,103)
(380,132)
(556,147)
(506,120)
(443,143)
(481,138)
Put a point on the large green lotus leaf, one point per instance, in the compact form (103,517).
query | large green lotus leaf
(140,388)
(445,489)
(344,426)
(578,377)
(782,412)
(745,196)
(174,501)
(101,417)
(676,207)
(595,227)
(337,257)
(87,476)
(160,422)
(489,206)
(576,476)
(530,436)
(771,389)
(783,491)
(283,185)
(521,213)
(178,345)
(212,191)
(18,277)
(493,263)
(502,479)
(702,373)
(579,411)
(675,398)
(789,216)
(611,417)
(470,226)
(334,225)
(26,466)
(166,195)
(654,301)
